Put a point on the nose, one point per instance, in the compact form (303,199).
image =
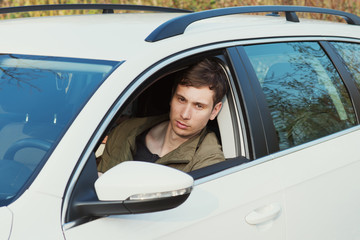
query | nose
(186,112)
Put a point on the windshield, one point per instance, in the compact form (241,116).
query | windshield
(39,98)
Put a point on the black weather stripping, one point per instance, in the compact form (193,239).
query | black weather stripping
(177,26)
(107,8)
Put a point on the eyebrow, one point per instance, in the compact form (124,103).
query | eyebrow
(179,95)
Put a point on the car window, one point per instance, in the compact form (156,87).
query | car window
(151,101)
(39,97)
(306,96)
(350,52)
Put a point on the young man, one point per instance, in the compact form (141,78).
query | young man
(179,139)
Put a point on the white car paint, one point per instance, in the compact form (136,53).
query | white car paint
(36,215)
(5,222)
(65,35)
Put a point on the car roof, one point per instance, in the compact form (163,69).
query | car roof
(97,36)
(122,36)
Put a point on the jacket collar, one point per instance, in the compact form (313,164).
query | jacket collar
(185,152)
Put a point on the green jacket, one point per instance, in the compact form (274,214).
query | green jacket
(199,151)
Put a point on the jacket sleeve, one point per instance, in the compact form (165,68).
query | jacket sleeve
(116,146)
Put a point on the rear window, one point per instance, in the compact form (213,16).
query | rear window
(305,94)
(350,53)
(39,98)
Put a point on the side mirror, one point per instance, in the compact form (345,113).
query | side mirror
(138,187)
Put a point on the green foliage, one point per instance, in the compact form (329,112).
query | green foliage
(352,6)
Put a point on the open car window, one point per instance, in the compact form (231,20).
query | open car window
(153,98)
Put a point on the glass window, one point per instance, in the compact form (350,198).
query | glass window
(350,52)
(39,98)
(306,97)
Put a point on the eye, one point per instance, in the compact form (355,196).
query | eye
(181,99)
(199,106)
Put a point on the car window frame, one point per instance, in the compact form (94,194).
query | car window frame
(84,169)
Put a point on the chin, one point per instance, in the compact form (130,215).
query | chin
(182,134)
(186,134)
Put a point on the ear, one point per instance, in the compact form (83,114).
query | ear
(215,110)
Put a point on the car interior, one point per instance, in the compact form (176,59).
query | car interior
(153,98)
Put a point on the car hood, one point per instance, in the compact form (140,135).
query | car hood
(5,222)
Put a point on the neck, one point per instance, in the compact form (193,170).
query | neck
(171,140)
(161,139)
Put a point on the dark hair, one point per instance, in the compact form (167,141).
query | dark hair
(209,73)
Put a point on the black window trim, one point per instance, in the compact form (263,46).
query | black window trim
(345,75)
(260,128)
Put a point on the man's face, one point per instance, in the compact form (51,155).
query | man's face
(190,110)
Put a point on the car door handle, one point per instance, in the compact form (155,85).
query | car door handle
(263,214)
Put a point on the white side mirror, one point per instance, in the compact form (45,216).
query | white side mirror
(136,187)
(137,181)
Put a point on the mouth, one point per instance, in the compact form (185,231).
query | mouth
(181,125)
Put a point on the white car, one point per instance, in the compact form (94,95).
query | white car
(289,126)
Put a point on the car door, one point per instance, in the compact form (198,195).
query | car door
(254,210)
(313,111)
(229,200)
